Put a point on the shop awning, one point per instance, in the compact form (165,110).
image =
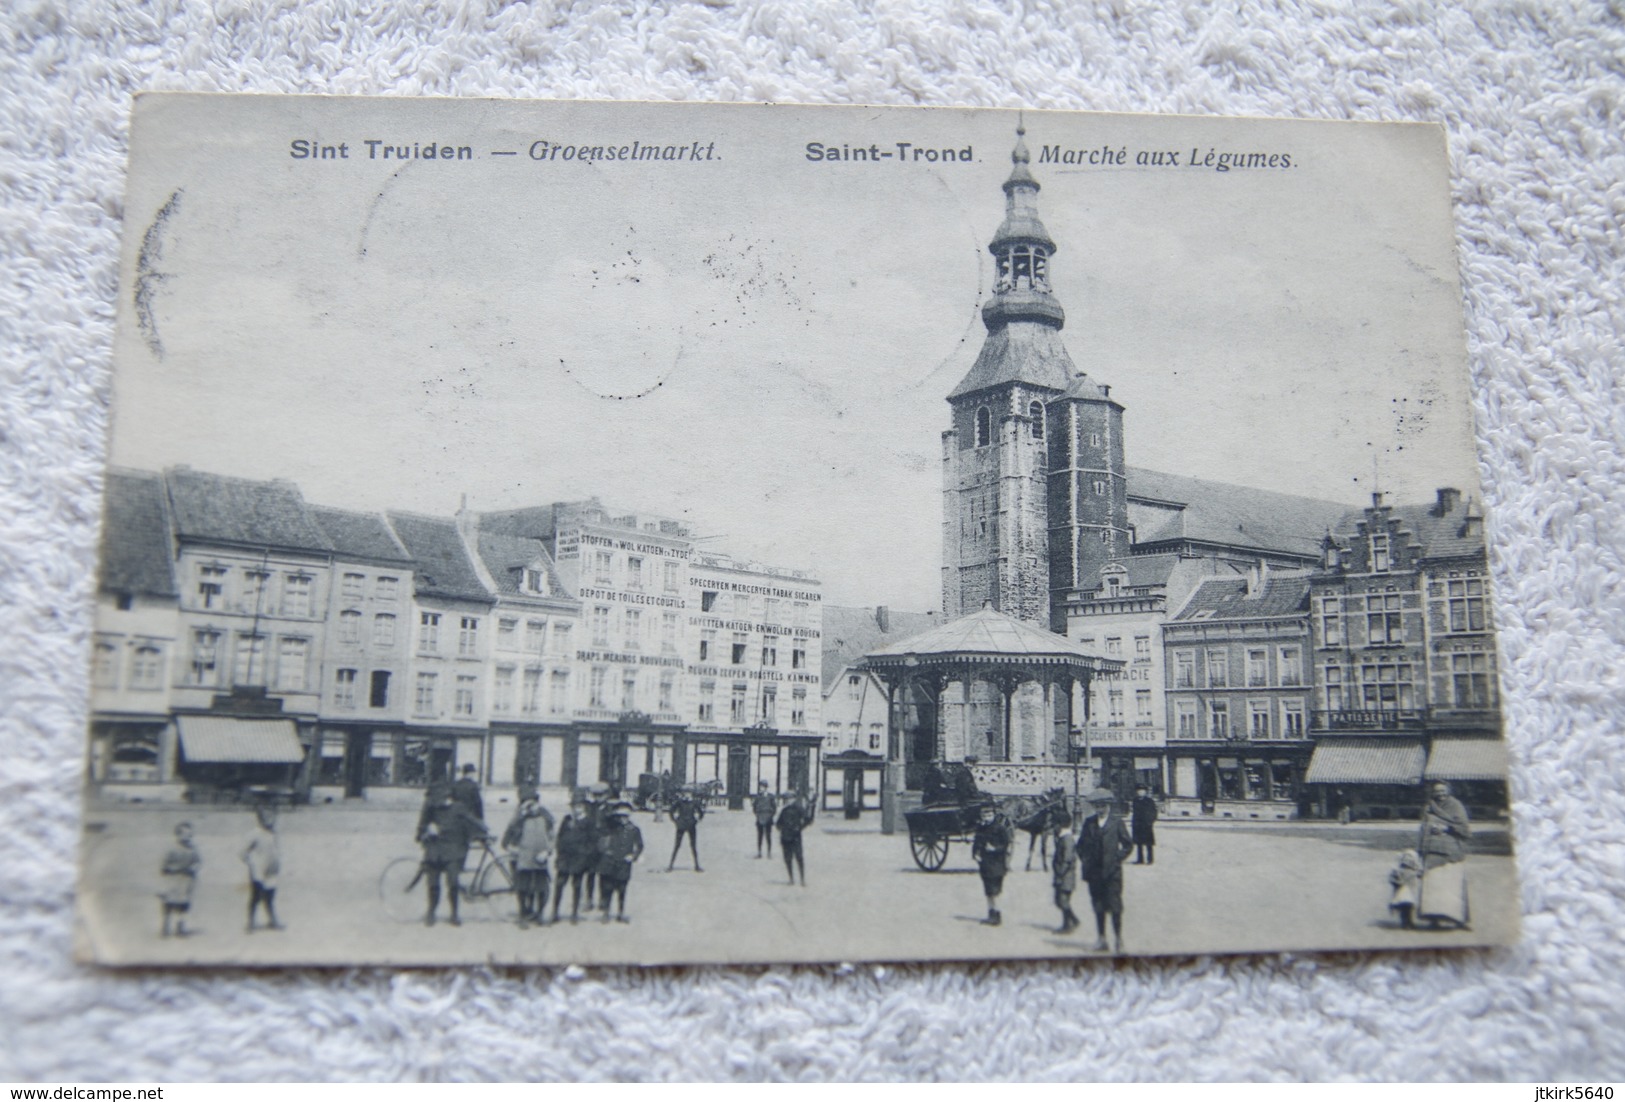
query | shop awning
(238,741)
(1467,759)
(1367,761)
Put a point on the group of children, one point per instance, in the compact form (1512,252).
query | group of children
(182,863)
(1095,852)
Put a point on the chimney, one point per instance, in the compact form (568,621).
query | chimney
(1449,498)
(1376,500)
(1253,585)
(883,618)
(465,519)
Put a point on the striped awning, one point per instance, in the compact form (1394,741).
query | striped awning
(239,741)
(1366,761)
(1467,759)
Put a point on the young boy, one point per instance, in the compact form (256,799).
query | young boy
(179,875)
(1064,873)
(619,847)
(991,851)
(263,856)
(529,841)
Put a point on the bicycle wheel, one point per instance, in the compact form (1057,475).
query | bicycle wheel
(491,897)
(401,890)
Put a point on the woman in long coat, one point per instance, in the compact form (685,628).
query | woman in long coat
(1443,846)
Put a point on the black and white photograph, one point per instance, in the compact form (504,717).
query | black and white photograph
(620,533)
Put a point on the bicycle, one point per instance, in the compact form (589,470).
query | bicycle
(400,887)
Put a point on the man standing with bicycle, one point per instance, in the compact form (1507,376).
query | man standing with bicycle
(445,830)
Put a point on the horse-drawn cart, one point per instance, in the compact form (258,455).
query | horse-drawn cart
(952,811)
(932,829)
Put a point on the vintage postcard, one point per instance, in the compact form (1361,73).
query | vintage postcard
(542,533)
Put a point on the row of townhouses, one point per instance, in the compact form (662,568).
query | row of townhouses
(247,637)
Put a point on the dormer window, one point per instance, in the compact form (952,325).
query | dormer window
(984,427)
(533,581)
(1036,413)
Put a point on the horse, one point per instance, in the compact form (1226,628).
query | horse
(1038,816)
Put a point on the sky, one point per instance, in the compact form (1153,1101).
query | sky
(758,343)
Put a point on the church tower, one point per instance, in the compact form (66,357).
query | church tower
(1035,501)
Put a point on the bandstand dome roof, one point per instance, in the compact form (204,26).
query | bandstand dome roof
(989,637)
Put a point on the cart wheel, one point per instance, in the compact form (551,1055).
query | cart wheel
(492,895)
(930,850)
(400,890)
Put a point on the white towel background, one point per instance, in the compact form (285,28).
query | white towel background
(1533,96)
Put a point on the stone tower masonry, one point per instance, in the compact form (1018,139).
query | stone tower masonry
(1034,499)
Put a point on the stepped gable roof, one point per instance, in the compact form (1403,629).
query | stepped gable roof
(1020,352)
(1439,534)
(505,556)
(988,636)
(847,634)
(1236,516)
(365,536)
(1282,595)
(135,549)
(441,564)
(219,509)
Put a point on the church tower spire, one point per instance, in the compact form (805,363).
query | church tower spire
(1034,494)
(1021,250)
